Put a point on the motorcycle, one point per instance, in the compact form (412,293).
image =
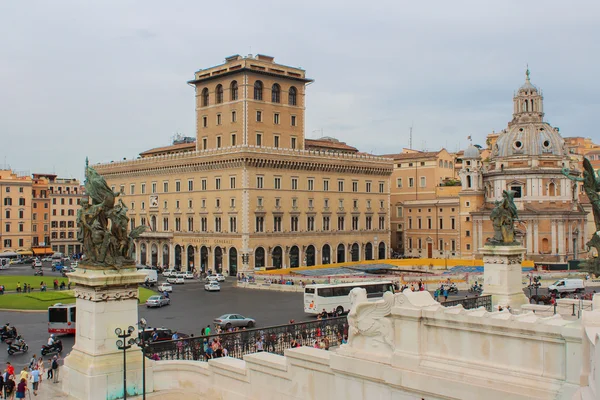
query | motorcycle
(38,272)
(453,289)
(7,334)
(17,345)
(476,289)
(56,347)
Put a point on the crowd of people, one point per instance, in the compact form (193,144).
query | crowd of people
(15,386)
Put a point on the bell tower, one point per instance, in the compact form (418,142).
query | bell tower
(528,103)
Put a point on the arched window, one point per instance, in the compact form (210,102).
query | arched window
(292,96)
(446,164)
(532,106)
(551,189)
(234,90)
(204,97)
(219,94)
(469,184)
(276,93)
(258,89)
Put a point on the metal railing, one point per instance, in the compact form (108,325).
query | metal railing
(471,302)
(273,339)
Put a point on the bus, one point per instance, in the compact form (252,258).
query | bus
(61,318)
(336,297)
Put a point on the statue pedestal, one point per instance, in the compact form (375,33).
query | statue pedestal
(106,299)
(502,275)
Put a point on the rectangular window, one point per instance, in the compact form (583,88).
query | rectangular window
(411,182)
(381,222)
(259,182)
(178,186)
(233,117)
(218,119)
(260,224)
(204,121)
(153,187)
(294,183)
(340,186)
(277,183)
(452,224)
(218,183)
(259,116)
(232,182)
(218,142)
(423,182)
(310,223)
(398,211)
(293,120)
(203,184)
(143,188)
(233,137)
(441,223)
(428,223)
(276,141)
(190,185)
(326,203)
(468,233)
(232,203)
(399,182)
(259,201)
(453,245)
(340,223)
(368,187)
(325,185)
(218,224)
(381,187)
(165,187)
(276,118)
(369,223)
(259,139)
(131,189)
(232,224)
(325,223)
(294,224)
(276,224)
(311,184)
(419,223)
(354,223)
(190,203)
(204,143)
(203,224)
(354,186)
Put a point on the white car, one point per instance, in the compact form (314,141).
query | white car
(37,263)
(169,272)
(189,275)
(165,287)
(212,286)
(211,278)
(176,279)
(47,259)
(220,277)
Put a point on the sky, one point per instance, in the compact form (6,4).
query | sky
(107,79)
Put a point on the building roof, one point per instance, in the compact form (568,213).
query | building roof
(329,143)
(412,156)
(169,149)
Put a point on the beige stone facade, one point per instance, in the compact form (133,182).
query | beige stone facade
(65,199)
(251,192)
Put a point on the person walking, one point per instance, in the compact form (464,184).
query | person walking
(22,388)
(9,388)
(55,369)
(35,380)
(445,293)
(49,374)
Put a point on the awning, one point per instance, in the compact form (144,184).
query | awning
(25,252)
(43,251)
(8,254)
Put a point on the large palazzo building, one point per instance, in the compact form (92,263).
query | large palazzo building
(250,191)
(527,157)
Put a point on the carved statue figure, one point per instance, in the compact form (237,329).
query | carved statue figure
(591,187)
(503,218)
(367,321)
(102,224)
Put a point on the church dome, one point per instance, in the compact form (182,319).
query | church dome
(471,152)
(534,139)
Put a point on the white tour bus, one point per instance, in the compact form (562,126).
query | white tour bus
(336,297)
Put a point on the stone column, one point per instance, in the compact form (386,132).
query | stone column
(554,236)
(529,237)
(480,244)
(475,235)
(106,299)
(536,237)
(171,256)
(502,275)
(561,239)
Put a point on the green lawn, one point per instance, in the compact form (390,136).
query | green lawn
(10,281)
(37,300)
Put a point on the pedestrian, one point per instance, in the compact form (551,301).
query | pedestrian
(10,369)
(207,330)
(445,294)
(50,373)
(259,345)
(436,294)
(35,380)
(22,388)
(9,387)
(55,369)
(24,374)
(40,367)
(33,361)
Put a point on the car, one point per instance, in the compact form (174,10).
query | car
(566,286)
(157,300)
(234,320)
(220,277)
(47,259)
(165,287)
(169,272)
(176,279)
(189,275)
(212,286)
(211,278)
(37,263)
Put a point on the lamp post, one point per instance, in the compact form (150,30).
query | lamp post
(142,324)
(576,233)
(124,344)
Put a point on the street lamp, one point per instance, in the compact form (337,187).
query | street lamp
(123,344)
(142,324)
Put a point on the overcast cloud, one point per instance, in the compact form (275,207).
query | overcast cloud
(107,79)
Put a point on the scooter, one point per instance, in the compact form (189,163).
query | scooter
(56,347)
(17,345)
(38,272)
(453,289)
(476,289)
(8,334)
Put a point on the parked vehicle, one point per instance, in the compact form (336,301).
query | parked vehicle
(17,345)
(158,300)
(151,276)
(37,263)
(176,279)
(212,286)
(232,320)
(165,287)
(220,278)
(169,272)
(57,267)
(566,286)
(189,275)
(56,347)
(47,259)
